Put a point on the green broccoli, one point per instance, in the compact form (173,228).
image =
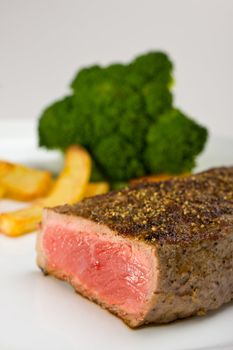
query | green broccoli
(123,114)
(173,142)
(153,66)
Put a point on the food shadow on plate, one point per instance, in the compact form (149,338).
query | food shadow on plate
(66,288)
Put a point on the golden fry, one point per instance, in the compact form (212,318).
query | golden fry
(68,188)
(155,178)
(2,191)
(23,183)
(20,221)
(95,188)
(71,183)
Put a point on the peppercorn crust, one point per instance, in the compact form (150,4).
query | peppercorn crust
(180,210)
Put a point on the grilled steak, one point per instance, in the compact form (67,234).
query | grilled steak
(151,253)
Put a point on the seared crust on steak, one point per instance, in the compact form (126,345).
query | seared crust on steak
(193,279)
(183,225)
(181,210)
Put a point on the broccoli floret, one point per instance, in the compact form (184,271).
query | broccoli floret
(96,173)
(123,114)
(86,77)
(107,106)
(153,66)
(157,99)
(173,142)
(54,131)
(117,72)
(117,167)
(62,125)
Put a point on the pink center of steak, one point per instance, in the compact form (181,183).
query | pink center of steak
(106,267)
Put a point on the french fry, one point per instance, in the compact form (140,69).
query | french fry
(23,183)
(5,167)
(2,191)
(71,183)
(155,178)
(68,188)
(95,188)
(21,221)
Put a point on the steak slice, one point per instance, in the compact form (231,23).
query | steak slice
(151,253)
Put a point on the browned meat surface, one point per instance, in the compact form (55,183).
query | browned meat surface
(151,253)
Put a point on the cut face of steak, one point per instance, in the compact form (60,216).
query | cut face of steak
(150,253)
(119,272)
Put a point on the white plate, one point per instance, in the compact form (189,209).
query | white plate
(38,312)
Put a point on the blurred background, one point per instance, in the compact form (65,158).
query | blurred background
(44,43)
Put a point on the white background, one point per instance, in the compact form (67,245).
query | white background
(43,43)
